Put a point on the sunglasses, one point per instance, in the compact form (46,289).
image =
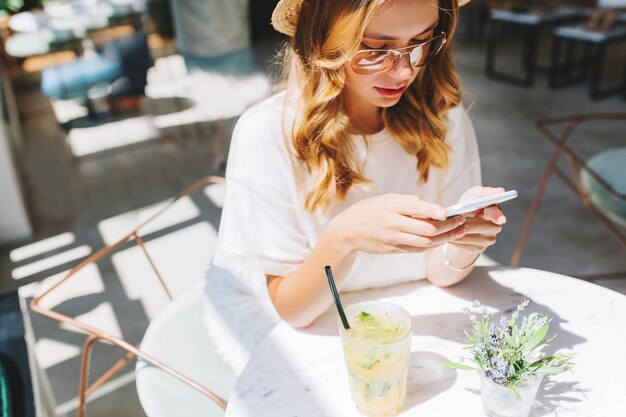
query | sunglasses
(371,61)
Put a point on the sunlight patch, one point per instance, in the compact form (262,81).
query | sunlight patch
(51,262)
(42,246)
(114,228)
(112,135)
(52,352)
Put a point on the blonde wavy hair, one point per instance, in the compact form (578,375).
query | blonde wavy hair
(313,66)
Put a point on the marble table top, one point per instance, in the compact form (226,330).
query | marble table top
(302,372)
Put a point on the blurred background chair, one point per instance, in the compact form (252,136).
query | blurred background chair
(167,348)
(565,70)
(599,181)
(530,19)
(126,91)
(117,73)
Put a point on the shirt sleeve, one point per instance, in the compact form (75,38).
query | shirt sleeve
(260,227)
(464,160)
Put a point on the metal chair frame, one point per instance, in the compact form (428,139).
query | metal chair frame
(576,164)
(97,335)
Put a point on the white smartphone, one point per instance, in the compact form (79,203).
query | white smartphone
(480,203)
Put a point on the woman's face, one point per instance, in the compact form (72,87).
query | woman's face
(396,24)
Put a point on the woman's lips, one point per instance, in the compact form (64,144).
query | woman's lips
(390,92)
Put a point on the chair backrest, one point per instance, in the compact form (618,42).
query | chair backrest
(604,195)
(94,334)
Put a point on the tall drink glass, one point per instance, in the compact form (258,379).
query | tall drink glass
(377,348)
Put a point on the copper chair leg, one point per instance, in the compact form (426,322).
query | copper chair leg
(84,374)
(110,373)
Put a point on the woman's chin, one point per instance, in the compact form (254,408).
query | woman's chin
(386,101)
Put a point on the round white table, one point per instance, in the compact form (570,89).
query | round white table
(302,372)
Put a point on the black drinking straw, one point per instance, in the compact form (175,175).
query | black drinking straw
(333,290)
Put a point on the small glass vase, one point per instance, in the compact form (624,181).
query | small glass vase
(500,401)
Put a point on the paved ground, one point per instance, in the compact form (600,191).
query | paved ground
(88,187)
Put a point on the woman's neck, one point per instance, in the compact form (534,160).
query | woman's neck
(365,118)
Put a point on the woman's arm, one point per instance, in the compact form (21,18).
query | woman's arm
(441,274)
(384,224)
(452,262)
(303,295)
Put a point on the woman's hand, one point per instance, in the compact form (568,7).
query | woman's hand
(394,223)
(482,226)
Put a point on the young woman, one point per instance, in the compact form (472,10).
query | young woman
(351,166)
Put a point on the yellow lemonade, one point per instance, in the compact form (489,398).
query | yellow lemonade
(377,349)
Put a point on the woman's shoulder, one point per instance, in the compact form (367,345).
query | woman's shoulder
(266,122)
(458,115)
(258,147)
(460,127)
(267,113)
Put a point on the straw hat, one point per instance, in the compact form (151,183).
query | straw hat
(285,15)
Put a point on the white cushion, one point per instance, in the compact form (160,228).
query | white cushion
(178,338)
(610,165)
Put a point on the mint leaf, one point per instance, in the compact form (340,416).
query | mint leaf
(364,316)
(368,365)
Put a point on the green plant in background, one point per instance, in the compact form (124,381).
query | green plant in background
(510,354)
(8,7)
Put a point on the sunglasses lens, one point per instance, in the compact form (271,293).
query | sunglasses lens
(418,55)
(421,55)
(370,62)
(373,61)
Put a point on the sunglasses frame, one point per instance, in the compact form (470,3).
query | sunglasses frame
(399,53)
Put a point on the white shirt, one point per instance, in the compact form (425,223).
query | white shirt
(265,229)
(264,224)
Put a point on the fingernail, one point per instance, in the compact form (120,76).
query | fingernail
(440,214)
(459,232)
(460,220)
(501,220)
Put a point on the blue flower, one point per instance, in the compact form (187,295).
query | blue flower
(499,370)
(523,304)
(480,351)
(494,337)
(502,358)
(502,366)
(524,320)
(489,374)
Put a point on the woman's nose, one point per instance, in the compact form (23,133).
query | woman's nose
(403,69)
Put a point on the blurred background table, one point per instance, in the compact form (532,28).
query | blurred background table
(302,372)
(64,25)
